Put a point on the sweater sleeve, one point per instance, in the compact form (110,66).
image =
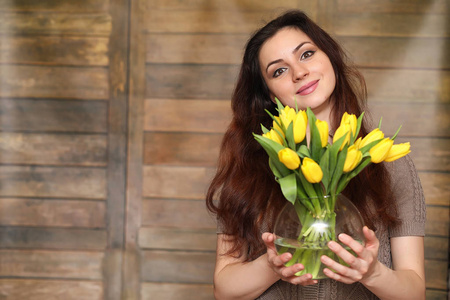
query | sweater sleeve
(410,199)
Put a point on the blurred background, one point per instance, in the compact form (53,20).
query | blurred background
(111,115)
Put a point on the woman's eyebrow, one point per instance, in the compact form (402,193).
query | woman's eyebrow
(293,52)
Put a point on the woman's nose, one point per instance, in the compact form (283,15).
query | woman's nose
(300,72)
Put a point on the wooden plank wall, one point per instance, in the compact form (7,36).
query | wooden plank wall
(111,115)
(54,92)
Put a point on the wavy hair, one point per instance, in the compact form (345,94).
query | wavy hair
(243,194)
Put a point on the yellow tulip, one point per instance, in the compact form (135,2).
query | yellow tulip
(273,135)
(300,123)
(323,131)
(358,142)
(351,120)
(342,130)
(289,158)
(277,127)
(287,116)
(379,152)
(353,158)
(398,151)
(311,170)
(372,136)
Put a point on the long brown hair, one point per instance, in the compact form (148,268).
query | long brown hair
(243,194)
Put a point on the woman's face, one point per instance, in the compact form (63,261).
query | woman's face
(295,69)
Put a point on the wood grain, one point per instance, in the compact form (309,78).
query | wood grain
(392,52)
(178,266)
(436,248)
(54,82)
(187,115)
(190,81)
(195,48)
(176,214)
(54,5)
(171,238)
(387,6)
(436,274)
(52,213)
(68,182)
(52,238)
(436,188)
(54,50)
(433,294)
(151,290)
(220,5)
(53,115)
(176,182)
(40,289)
(438,221)
(93,24)
(391,25)
(51,264)
(52,149)
(182,149)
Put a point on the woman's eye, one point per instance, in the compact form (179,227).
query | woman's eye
(307,54)
(278,72)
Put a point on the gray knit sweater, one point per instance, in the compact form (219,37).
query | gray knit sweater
(412,213)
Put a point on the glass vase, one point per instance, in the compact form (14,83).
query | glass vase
(305,228)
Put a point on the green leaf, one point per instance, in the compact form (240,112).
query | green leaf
(325,166)
(358,128)
(309,189)
(264,129)
(339,169)
(279,105)
(334,151)
(303,151)
(290,136)
(315,142)
(289,187)
(396,133)
(367,147)
(272,149)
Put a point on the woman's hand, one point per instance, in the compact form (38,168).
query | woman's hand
(276,262)
(361,267)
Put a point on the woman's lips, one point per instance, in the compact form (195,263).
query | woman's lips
(308,88)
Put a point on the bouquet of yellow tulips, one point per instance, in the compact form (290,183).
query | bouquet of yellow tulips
(311,174)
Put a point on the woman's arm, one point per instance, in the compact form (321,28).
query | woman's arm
(236,279)
(405,281)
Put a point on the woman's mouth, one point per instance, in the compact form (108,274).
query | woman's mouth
(308,88)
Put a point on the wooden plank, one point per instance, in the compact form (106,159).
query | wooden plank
(52,238)
(428,154)
(414,118)
(438,221)
(176,213)
(436,272)
(54,5)
(388,6)
(93,24)
(395,85)
(51,264)
(206,21)
(391,24)
(173,291)
(436,248)
(187,115)
(170,238)
(220,5)
(53,115)
(432,294)
(54,50)
(52,149)
(54,82)
(39,289)
(52,213)
(176,182)
(182,149)
(398,52)
(436,188)
(68,182)
(178,266)
(196,48)
(190,81)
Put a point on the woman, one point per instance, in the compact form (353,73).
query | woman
(294,60)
